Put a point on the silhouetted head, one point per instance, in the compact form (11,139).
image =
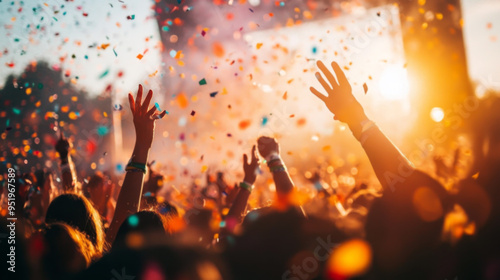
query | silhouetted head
(62,251)
(141,223)
(77,211)
(406,222)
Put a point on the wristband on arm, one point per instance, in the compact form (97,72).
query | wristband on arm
(246,186)
(136,167)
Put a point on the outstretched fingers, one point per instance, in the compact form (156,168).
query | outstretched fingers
(318,94)
(254,154)
(245,160)
(145,105)
(138,98)
(340,74)
(159,116)
(151,111)
(131,103)
(328,74)
(323,83)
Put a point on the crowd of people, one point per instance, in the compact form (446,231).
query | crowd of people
(413,227)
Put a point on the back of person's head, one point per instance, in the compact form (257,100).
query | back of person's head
(404,225)
(78,212)
(272,242)
(158,261)
(141,223)
(62,251)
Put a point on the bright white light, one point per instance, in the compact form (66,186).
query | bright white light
(267,88)
(437,114)
(254,2)
(393,83)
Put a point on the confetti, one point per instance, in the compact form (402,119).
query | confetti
(365,88)
(213,94)
(193,113)
(264,121)
(104,74)
(259,45)
(202,82)
(131,17)
(244,124)
(117,107)
(140,56)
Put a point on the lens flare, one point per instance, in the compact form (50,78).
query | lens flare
(393,83)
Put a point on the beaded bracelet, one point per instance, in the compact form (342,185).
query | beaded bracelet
(133,169)
(277,168)
(246,186)
(273,161)
(132,166)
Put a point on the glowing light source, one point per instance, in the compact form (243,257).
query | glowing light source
(393,83)
(349,259)
(437,114)
(254,2)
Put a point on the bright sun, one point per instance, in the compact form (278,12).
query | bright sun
(393,83)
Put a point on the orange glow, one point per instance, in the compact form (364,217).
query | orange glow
(351,258)
(427,204)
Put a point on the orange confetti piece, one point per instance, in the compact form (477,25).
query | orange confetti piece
(259,45)
(140,56)
(218,49)
(301,122)
(182,100)
(285,95)
(244,124)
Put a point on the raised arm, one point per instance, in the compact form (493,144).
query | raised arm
(130,195)
(240,202)
(270,150)
(389,164)
(68,173)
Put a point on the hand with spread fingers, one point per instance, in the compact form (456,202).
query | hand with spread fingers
(63,146)
(144,117)
(250,168)
(339,99)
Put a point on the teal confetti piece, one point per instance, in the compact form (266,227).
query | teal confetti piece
(202,82)
(157,106)
(133,220)
(264,121)
(104,74)
(16,111)
(115,52)
(102,130)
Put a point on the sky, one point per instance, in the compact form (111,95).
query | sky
(106,37)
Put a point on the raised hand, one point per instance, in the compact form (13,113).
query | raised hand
(268,146)
(250,168)
(144,117)
(339,98)
(62,146)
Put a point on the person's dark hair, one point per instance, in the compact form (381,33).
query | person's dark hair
(64,251)
(410,219)
(169,213)
(142,222)
(78,212)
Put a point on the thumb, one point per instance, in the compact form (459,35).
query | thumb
(245,159)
